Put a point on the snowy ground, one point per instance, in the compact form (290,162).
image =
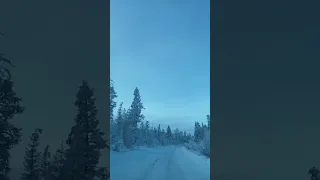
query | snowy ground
(161,163)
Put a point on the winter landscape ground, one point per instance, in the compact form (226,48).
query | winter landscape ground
(159,163)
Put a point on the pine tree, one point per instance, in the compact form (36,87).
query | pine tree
(159,131)
(120,118)
(119,128)
(202,129)
(32,158)
(114,136)
(314,173)
(45,164)
(85,139)
(103,174)
(134,117)
(113,95)
(9,107)
(155,131)
(176,135)
(136,107)
(169,134)
(197,131)
(57,163)
(127,129)
(4,71)
(185,137)
(147,128)
(208,121)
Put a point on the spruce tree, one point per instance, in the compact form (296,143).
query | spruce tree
(136,107)
(119,128)
(208,121)
(169,134)
(135,116)
(142,136)
(4,71)
(32,158)
(314,173)
(113,104)
(57,163)
(45,164)
(159,131)
(197,131)
(147,126)
(127,129)
(119,120)
(9,107)
(103,174)
(185,137)
(85,139)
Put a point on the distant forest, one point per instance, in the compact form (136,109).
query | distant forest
(130,129)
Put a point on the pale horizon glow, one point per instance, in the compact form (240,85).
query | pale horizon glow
(163,48)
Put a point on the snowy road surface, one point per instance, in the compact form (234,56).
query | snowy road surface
(161,163)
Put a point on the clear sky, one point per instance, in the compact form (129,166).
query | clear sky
(163,48)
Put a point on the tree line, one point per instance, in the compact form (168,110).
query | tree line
(129,129)
(78,156)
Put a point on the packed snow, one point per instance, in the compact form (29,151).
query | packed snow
(159,163)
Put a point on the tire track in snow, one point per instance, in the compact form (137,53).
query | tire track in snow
(162,162)
(173,170)
(149,170)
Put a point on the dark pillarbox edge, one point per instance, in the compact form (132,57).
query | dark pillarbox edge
(108,81)
(45,47)
(216,85)
(212,82)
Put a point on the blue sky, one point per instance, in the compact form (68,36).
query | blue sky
(163,48)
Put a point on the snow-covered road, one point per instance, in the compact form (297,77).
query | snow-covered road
(161,163)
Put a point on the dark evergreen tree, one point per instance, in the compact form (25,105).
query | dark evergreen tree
(202,129)
(4,71)
(169,132)
(103,174)
(147,126)
(136,108)
(45,164)
(159,131)
(185,140)
(119,122)
(208,121)
(197,131)
(9,107)
(32,157)
(127,129)
(314,173)
(57,163)
(85,139)
(155,131)
(134,117)
(176,134)
(113,104)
